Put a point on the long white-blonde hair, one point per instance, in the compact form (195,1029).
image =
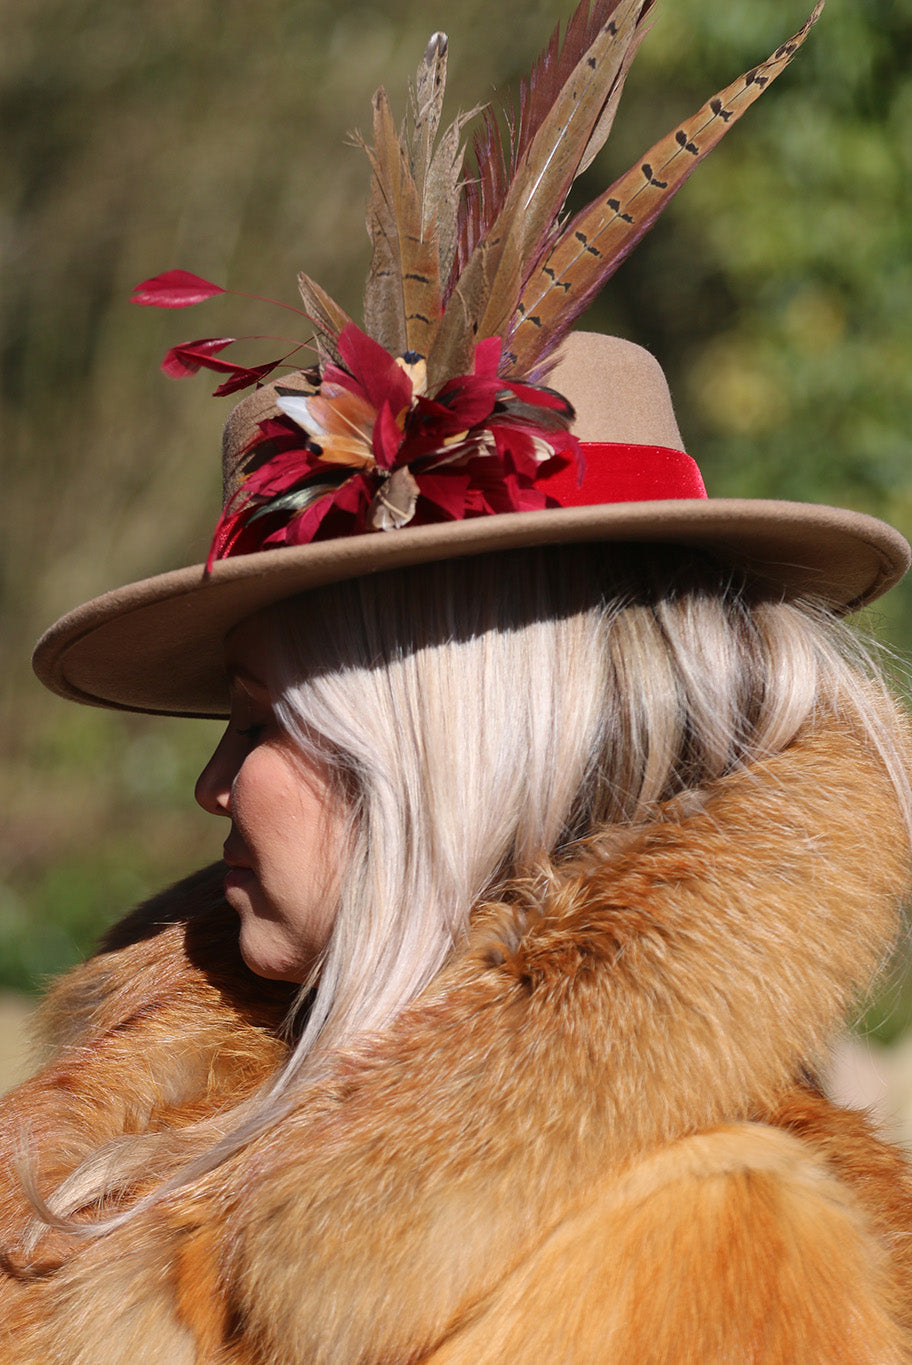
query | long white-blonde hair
(479,716)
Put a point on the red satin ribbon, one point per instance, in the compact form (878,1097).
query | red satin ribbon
(625,473)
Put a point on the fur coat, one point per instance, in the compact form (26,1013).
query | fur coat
(595,1140)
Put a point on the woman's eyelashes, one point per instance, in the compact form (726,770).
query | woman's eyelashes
(250,720)
(251,732)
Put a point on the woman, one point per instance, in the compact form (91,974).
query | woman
(547,880)
(578,1120)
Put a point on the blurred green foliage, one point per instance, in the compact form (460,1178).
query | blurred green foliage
(211,136)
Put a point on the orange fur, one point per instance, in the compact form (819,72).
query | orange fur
(877,1171)
(163,1026)
(734,1245)
(584,1143)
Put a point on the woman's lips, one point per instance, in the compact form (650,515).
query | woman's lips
(232,857)
(239,872)
(237,877)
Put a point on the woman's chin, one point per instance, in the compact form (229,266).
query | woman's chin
(265,952)
(245,896)
(270,945)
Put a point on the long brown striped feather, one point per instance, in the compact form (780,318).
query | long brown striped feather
(496,162)
(484,299)
(442,190)
(325,314)
(435,163)
(402,303)
(425,109)
(601,236)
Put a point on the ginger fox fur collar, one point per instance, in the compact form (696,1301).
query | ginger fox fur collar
(593,1139)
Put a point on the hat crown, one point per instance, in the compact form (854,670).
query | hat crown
(618,391)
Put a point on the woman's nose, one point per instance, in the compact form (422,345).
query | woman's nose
(213,786)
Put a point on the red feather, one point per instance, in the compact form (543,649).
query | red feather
(377,376)
(244,376)
(175,289)
(190,356)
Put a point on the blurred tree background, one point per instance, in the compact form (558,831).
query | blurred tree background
(211,135)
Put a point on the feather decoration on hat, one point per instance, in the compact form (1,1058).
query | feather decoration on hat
(588,249)
(436,408)
(411,214)
(518,271)
(460,258)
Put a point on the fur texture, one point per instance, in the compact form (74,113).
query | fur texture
(587,1142)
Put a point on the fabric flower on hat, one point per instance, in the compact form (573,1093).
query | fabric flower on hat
(378,453)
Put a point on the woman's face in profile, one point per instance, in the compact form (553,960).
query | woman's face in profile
(283,849)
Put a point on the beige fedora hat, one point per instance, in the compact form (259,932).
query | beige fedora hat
(157,645)
(430,431)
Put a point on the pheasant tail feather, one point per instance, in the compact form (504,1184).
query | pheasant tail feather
(325,314)
(497,163)
(436,169)
(601,236)
(442,191)
(485,296)
(402,301)
(425,107)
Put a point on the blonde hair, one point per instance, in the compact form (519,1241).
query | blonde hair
(479,716)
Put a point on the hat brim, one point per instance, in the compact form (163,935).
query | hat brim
(157,645)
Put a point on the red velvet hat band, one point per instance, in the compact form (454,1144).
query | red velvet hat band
(617,472)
